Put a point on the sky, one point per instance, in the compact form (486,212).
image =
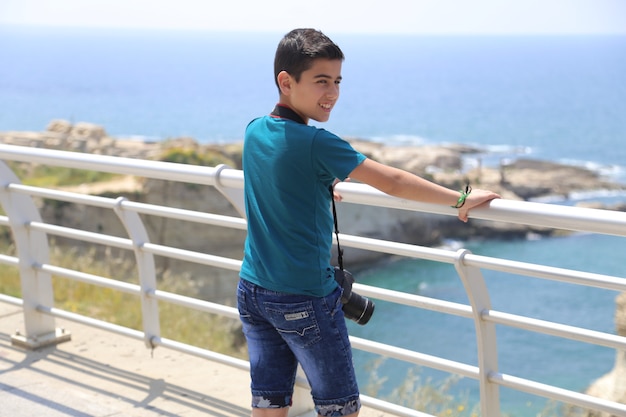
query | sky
(334,16)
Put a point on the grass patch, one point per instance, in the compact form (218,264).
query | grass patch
(53,176)
(424,394)
(193,327)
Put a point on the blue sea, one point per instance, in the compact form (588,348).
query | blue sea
(558,98)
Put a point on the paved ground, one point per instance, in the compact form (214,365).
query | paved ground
(99,374)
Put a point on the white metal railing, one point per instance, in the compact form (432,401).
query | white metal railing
(30,235)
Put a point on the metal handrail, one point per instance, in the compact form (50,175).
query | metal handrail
(25,222)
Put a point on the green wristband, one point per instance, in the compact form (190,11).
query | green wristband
(461,201)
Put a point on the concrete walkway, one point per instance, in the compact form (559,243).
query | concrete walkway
(99,374)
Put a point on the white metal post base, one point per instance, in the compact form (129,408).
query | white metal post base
(39,341)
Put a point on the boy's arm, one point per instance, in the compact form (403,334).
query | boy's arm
(402,184)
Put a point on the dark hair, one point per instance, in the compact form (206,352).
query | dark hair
(299,48)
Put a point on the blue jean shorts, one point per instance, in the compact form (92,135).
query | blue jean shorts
(283,330)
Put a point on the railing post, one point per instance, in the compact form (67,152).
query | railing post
(36,285)
(480,301)
(145,268)
(235,197)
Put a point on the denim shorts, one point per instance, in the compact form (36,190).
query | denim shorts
(283,330)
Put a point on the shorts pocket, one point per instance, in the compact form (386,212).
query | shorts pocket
(295,322)
(242,305)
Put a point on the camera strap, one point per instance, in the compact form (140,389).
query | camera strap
(339,250)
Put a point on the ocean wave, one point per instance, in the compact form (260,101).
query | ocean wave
(494,156)
(401,140)
(508,150)
(612,171)
(139,138)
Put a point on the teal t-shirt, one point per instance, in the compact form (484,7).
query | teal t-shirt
(288,168)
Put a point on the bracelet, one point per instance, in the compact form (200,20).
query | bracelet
(464,194)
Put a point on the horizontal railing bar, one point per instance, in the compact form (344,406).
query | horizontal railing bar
(136,334)
(99,324)
(104,202)
(395,248)
(202,353)
(555,329)
(500,210)
(440,255)
(9,260)
(579,219)
(11,300)
(188,215)
(92,237)
(518,212)
(194,174)
(413,300)
(417,358)
(66,196)
(559,394)
(192,256)
(393,409)
(126,287)
(496,264)
(196,304)
(547,272)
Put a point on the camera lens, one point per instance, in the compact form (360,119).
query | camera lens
(358,309)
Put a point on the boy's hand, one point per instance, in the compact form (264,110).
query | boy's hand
(474,199)
(336,195)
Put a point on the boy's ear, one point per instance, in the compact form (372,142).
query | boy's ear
(284,82)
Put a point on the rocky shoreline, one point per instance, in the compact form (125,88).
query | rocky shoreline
(522,179)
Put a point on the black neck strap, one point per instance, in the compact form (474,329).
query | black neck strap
(339,250)
(285,112)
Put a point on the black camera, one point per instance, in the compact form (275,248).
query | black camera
(355,306)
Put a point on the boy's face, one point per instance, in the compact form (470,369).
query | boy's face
(315,95)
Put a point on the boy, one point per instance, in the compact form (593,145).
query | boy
(288,299)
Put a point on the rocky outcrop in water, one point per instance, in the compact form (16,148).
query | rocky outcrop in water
(612,386)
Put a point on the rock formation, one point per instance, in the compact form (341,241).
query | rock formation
(612,386)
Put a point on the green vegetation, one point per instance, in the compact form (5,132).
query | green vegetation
(188,326)
(433,397)
(52,176)
(207,156)
(438,399)
(192,157)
